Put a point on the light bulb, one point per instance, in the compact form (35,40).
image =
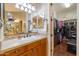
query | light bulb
(33,8)
(29,11)
(16,20)
(33,23)
(17,6)
(67,5)
(26,10)
(22,8)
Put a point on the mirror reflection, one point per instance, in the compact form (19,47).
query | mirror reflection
(14,20)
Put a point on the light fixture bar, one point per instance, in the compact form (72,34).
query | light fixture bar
(26,7)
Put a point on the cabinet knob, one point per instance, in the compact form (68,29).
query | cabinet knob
(16,51)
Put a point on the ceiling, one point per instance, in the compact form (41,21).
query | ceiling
(37,6)
(60,7)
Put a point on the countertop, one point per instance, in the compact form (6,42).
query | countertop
(18,35)
(15,42)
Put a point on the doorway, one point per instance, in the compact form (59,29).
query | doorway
(64,22)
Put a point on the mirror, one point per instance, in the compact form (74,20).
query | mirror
(14,21)
(38,22)
(35,22)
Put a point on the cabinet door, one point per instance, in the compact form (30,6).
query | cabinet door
(2,54)
(37,51)
(11,53)
(27,53)
(44,47)
(44,51)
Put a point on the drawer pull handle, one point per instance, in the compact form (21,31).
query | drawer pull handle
(16,51)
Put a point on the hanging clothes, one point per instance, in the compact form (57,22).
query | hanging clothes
(59,31)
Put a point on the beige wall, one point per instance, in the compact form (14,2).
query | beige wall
(67,15)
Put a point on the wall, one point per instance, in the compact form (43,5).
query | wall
(67,14)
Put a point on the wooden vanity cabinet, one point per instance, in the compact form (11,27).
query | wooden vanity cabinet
(44,47)
(27,53)
(11,53)
(37,48)
(37,51)
(2,55)
(15,52)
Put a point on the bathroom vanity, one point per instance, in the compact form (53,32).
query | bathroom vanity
(28,46)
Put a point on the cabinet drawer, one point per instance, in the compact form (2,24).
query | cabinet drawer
(32,45)
(27,53)
(15,52)
(11,53)
(20,50)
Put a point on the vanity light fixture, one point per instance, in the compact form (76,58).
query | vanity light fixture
(67,5)
(26,7)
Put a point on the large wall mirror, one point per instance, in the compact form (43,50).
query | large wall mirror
(14,21)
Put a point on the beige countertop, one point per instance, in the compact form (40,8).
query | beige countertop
(15,42)
(18,35)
